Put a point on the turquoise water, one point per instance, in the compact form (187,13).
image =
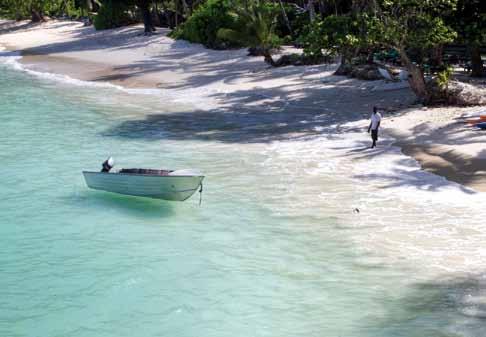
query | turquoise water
(274,250)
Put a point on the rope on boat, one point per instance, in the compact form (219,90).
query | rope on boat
(200,192)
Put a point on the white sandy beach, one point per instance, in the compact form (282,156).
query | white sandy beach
(282,97)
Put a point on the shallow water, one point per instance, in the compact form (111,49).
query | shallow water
(274,250)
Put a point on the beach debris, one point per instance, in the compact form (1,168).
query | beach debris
(386,75)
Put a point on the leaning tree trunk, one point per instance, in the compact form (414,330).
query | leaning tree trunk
(286,18)
(476,62)
(416,78)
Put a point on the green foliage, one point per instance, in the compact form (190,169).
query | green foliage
(22,9)
(416,25)
(412,24)
(342,34)
(235,23)
(203,25)
(298,19)
(429,32)
(313,39)
(333,34)
(469,20)
(113,14)
(443,78)
(254,26)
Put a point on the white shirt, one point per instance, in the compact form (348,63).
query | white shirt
(375,119)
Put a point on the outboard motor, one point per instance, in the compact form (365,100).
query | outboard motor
(108,165)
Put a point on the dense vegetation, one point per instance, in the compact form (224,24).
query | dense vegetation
(414,32)
(113,14)
(37,9)
(205,22)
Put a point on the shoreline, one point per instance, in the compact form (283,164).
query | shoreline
(443,143)
(447,163)
(231,80)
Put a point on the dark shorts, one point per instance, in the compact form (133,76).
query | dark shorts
(374,134)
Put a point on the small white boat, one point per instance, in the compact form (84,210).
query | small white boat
(176,185)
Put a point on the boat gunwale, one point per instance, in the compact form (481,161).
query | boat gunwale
(144,175)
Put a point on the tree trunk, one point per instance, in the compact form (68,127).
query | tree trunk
(341,70)
(312,12)
(147,20)
(18,16)
(147,17)
(416,77)
(37,16)
(322,8)
(268,58)
(436,56)
(155,15)
(63,8)
(168,16)
(476,62)
(185,9)
(286,18)
(371,57)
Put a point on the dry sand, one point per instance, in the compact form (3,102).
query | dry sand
(231,80)
(444,144)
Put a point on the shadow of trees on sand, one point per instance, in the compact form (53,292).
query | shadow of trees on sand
(258,116)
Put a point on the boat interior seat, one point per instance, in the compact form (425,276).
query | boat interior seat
(145,171)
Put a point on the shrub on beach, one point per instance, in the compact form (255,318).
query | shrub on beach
(332,35)
(213,15)
(112,14)
(255,28)
(313,39)
(203,25)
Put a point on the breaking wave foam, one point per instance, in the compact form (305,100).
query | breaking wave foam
(383,199)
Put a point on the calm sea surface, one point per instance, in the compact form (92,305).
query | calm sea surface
(274,250)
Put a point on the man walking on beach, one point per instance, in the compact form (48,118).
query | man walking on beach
(374,125)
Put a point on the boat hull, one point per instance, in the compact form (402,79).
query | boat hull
(174,188)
